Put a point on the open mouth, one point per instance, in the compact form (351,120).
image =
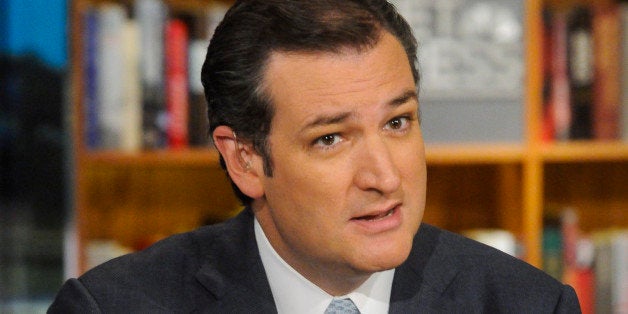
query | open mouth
(377,217)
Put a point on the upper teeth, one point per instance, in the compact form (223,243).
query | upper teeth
(378,217)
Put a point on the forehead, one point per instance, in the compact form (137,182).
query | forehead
(302,84)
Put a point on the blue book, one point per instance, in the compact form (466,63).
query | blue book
(92,134)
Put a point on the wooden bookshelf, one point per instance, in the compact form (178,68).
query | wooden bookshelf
(585,152)
(469,153)
(181,158)
(132,197)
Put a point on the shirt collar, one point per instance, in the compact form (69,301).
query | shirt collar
(293,293)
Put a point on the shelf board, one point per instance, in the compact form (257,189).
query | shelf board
(447,154)
(474,153)
(585,151)
(436,154)
(184,157)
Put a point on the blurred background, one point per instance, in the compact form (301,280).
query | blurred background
(33,147)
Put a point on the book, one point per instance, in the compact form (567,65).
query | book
(578,259)
(176,83)
(197,121)
(547,132)
(607,90)
(560,92)
(611,271)
(581,69)
(620,273)
(581,275)
(151,16)
(552,249)
(90,40)
(603,271)
(110,86)
(500,239)
(102,250)
(131,114)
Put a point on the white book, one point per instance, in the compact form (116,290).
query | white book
(196,57)
(151,16)
(110,65)
(132,107)
(620,273)
(500,239)
(611,271)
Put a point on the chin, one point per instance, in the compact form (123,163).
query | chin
(381,260)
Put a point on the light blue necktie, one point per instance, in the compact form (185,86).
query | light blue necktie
(344,306)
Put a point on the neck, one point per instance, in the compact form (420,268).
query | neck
(335,283)
(334,278)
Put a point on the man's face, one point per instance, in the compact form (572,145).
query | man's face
(348,187)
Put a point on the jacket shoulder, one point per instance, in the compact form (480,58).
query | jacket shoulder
(160,278)
(480,277)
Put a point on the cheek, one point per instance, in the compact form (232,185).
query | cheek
(414,171)
(319,179)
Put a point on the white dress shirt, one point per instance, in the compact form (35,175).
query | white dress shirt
(293,293)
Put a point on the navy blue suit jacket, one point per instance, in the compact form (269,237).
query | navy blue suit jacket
(217,269)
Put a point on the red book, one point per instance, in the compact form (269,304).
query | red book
(559,95)
(176,43)
(583,281)
(578,257)
(547,125)
(607,85)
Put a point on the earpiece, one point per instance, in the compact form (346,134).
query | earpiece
(245,163)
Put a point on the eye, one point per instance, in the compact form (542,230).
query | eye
(398,123)
(328,140)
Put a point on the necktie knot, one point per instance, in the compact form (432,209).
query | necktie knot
(344,306)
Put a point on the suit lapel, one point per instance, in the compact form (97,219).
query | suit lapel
(233,272)
(420,282)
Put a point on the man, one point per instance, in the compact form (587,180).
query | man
(313,106)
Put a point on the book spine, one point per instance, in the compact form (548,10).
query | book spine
(606,34)
(580,57)
(177,83)
(611,271)
(620,273)
(603,273)
(132,106)
(197,122)
(560,96)
(620,269)
(552,251)
(578,258)
(110,69)
(151,17)
(92,136)
(547,123)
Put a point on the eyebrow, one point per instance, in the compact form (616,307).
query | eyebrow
(404,98)
(328,119)
(343,116)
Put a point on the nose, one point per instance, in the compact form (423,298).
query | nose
(375,167)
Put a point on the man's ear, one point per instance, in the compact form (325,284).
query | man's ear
(243,163)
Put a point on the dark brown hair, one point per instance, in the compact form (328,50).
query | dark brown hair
(253,29)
